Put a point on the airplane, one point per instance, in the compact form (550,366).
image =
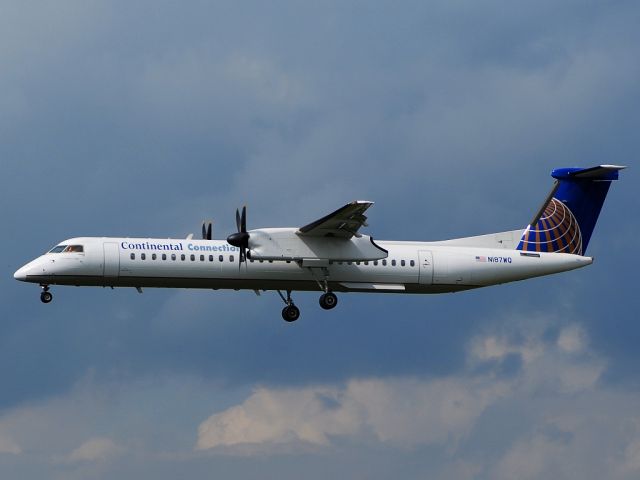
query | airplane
(331,255)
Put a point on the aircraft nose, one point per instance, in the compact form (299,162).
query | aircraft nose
(21,274)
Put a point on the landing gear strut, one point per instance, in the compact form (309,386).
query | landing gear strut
(290,313)
(46,296)
(328,300)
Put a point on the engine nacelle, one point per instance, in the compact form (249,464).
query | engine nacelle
(287,244)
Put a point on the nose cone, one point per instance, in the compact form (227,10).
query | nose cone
(21,274)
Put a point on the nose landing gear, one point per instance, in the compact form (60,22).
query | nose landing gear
(46,296)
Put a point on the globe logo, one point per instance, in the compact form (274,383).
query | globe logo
(557,230)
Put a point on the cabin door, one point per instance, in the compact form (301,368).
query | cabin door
(111,262)
(426,267)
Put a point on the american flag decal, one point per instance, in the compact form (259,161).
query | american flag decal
(481,258)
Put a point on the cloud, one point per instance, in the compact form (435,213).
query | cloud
(8,445)
(447,114)
(564,365)
(588,439)
(631,460)
(490,419)
(409,411)
(93,450)
(402,411)
(308,415)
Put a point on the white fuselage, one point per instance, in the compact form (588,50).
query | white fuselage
(411,267)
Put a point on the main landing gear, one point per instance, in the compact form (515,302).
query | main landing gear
(328,300)
(290,313)
(46,296)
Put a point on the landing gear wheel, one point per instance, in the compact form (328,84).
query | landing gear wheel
(290,313)
(46,297)
(328,300)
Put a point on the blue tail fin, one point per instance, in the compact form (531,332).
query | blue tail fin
(567,218)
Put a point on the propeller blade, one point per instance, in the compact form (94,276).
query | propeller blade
(243,220)
(238,220)
(243,257)
(206,231)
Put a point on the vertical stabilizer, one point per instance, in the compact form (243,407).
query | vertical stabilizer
(567,218)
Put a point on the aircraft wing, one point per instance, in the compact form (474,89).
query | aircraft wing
(343,223)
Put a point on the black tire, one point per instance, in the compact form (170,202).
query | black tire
(46,297)
(290,313)
(328,300)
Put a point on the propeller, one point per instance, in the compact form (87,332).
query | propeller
(240,239)
(206,231)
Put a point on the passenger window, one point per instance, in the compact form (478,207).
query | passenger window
(412,263)
(132,256)
(211,258)
(221,258)
(153,256)
(375,263)
(366,263)
(384,263)
(143,256)
(231,258)
(349,263)
(202,258)
(173,256)
(393,263)
(182,257)
(358,263)
(164,256)
(402,263)
(193,257)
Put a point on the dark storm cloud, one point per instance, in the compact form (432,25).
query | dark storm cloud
(143,119)
(142,126)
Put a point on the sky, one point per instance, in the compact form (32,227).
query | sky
(144,118)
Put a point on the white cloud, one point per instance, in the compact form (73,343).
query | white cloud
(399,411)
(98,423)
(281,416)
(408,412)
(572,339)
(93,450)
(565,365)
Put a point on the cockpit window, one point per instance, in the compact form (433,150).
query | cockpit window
(67,249)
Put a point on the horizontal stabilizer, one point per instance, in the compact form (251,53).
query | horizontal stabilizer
(601,172)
